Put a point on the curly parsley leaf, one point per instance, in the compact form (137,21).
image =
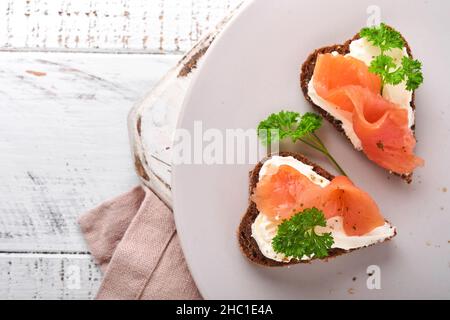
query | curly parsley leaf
(386,68)
(297,236)
(278,126)
(412,70)
(309,123)
(409,71)
(383,37)
(288,124)
(386,39)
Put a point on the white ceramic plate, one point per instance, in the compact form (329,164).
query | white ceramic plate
(253,70)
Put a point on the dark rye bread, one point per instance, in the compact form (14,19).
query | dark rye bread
(248,244)
(307,71)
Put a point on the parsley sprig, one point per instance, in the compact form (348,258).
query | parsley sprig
(387,39)
(297,236)
(288,124)
(383,37)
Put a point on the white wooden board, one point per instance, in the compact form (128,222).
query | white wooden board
(101,25)
(63,140)
(63,149)
(48,276)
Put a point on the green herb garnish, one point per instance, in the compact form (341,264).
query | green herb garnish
(383,66)
(413,73)
(288,124)
(387,39)
(297,236)
(383,37)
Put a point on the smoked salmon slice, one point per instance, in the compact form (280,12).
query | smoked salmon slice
(332,72)
(284,191)
(381,126)
(383,130)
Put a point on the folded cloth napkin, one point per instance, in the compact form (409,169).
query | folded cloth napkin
(134,241)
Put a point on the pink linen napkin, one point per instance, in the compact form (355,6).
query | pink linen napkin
(134,241)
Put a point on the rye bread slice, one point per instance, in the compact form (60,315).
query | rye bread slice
(248,244)
(307,71)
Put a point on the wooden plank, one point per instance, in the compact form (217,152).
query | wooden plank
(63,140)
(103,25)
(48,276)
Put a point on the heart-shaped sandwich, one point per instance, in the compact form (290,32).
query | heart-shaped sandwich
(299,212)
(365,88)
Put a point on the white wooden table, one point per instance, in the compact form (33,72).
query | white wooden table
(64,100)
